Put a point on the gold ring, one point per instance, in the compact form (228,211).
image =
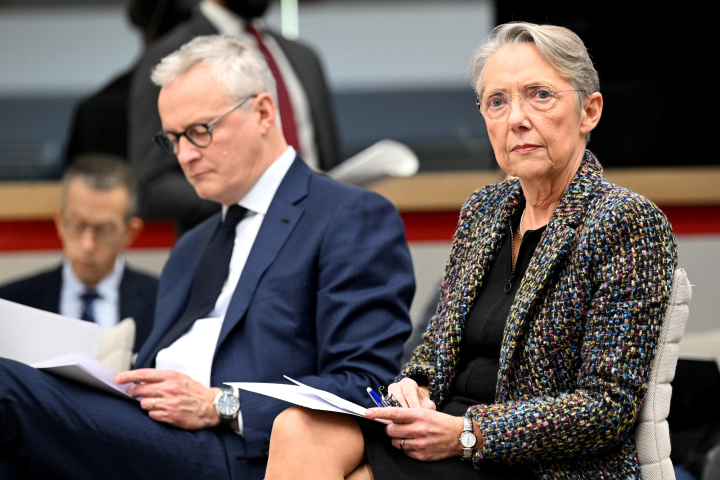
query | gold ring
(153,407)
(402,446)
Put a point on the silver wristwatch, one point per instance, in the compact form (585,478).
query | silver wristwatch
(467,438)
(227,406)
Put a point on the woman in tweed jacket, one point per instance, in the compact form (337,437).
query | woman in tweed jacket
(581,330)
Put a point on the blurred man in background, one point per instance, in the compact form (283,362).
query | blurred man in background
(95,222)
(305,106)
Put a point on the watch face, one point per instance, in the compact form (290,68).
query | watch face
(468,439)
(228,405)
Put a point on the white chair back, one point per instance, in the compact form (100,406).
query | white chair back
(652,434)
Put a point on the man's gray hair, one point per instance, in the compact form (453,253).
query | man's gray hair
(562,48)
(103,172)
(234,63)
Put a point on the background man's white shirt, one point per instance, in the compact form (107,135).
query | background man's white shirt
(106,307)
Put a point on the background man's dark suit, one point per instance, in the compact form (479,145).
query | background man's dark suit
(164,191)
(137,297)
(323,298)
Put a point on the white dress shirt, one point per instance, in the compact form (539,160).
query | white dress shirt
(192,354)
(227,23)
(106,307)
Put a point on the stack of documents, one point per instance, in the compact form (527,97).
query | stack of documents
(303,395)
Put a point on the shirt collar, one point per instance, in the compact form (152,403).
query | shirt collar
(225,21)
(107,288)
(261,195)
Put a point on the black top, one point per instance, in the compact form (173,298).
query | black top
(485,324)
(476,378)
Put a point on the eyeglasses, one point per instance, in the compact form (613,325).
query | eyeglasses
(199,134)
(496,105)
(106,233)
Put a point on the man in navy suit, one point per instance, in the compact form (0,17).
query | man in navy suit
(95,222)
(298,275)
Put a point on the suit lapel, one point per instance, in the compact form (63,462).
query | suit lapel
(555,245)
(49,295)
(279,222)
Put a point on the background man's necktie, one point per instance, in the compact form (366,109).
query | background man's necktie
(209,279)
(286,110)
(88,311)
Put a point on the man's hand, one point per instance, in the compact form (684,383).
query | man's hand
(423,434)
(172,397)
(410,395)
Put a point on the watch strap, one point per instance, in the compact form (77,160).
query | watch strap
(467,428)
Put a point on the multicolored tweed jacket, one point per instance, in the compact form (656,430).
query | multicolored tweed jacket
(582,330)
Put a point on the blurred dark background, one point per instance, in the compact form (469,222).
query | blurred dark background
(653,64)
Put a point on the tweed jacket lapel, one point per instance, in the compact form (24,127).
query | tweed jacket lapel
(554,247)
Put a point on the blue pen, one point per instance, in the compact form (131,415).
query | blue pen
(375,397)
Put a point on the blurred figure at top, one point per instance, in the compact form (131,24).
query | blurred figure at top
(304,104)
(100,121)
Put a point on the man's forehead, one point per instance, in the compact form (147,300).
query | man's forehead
(85,199)
(191,97)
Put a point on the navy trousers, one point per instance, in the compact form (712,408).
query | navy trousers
(55,428)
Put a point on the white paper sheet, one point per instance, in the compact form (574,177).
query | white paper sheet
(84,369)
(303,395)
(29,335)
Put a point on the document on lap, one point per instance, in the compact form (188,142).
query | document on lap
(29,335)
(59,345)
(85,369)
(304,395)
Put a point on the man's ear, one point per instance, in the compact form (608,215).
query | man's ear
(57,216)
(591,112)
(266,110)
(134,228)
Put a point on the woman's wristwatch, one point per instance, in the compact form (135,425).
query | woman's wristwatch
(467,438)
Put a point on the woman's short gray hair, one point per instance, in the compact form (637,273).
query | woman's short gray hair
(559,46)
(236,64)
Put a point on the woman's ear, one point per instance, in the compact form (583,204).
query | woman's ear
(591,112)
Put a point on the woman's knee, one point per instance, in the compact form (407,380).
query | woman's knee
(300,421)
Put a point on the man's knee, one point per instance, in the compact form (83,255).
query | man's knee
(10,373)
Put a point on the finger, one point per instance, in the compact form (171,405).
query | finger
(143,375)
(403,444)
(394,390)
(410,394)
(395,415)
(151,404)
(428,404)
(150,390)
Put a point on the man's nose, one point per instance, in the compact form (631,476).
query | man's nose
(88,239)
(186,151)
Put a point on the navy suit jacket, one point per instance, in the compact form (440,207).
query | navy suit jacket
(137,297)
(323,298)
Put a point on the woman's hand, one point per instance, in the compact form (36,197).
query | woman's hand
(410,395)
(423,434)
(172,397)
